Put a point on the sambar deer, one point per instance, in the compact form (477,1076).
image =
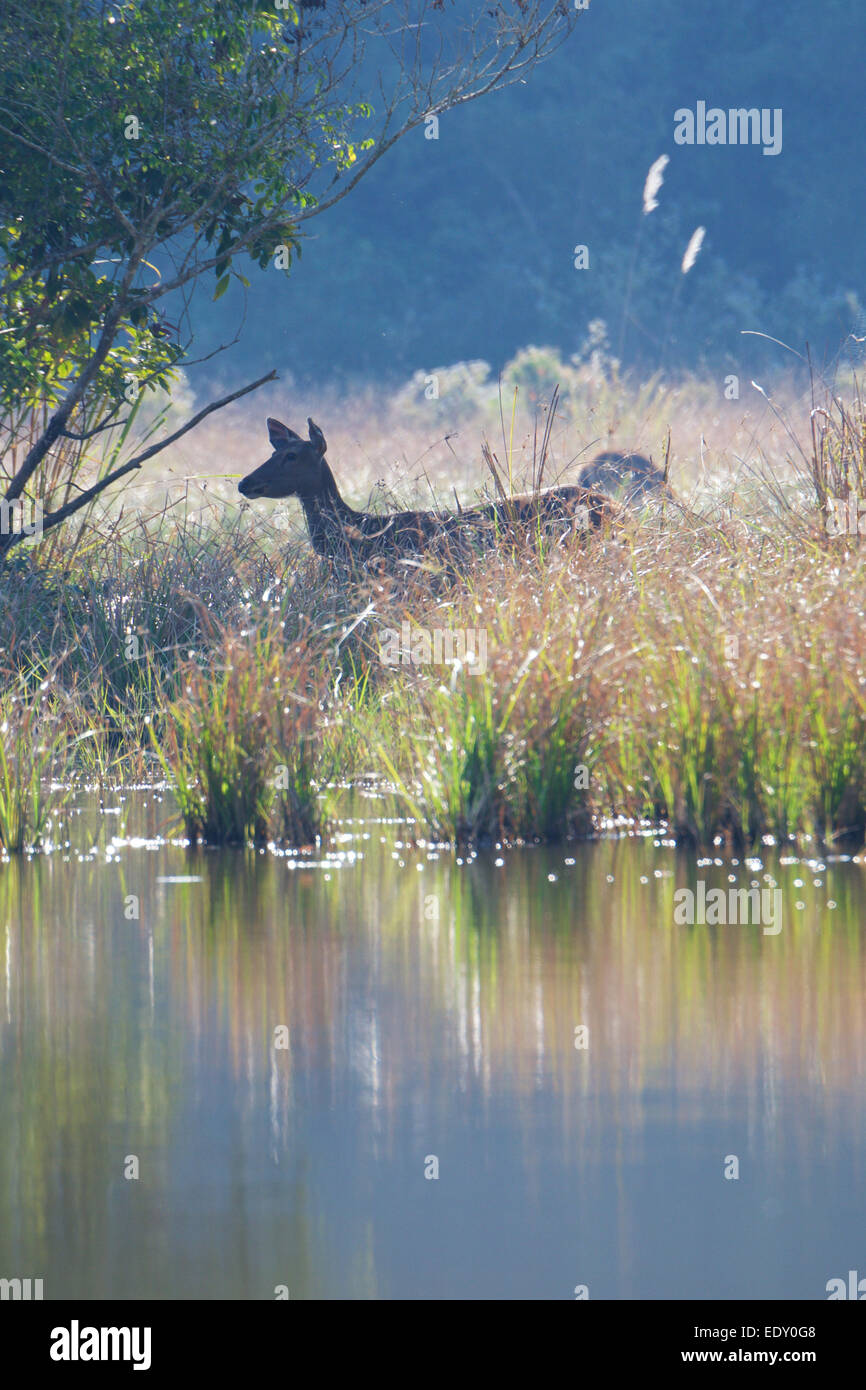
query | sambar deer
(629,477)
(298,468)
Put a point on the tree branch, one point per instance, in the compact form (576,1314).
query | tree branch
(57,424)
(52,519)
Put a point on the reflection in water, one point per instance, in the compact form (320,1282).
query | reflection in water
(285,1043)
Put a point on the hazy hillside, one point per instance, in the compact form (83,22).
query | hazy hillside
(462,247)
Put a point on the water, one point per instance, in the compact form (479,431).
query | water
(429,1010)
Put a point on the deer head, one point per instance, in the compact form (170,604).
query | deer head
(296,468)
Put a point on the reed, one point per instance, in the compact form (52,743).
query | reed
(508,751)
(33,765)
(243,740)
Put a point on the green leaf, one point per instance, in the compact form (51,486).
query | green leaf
(222,286)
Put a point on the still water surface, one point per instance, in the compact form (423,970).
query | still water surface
(428,1011)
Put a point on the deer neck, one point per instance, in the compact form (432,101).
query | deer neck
(328,515)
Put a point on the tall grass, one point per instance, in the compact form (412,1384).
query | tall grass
(703,670)
(710,681)
(508,751)
(243,739)
(33,765)
(745,714)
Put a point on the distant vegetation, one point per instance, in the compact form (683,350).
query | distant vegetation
(462,247)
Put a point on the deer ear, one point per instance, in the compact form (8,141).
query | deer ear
(280,433)
(317,439)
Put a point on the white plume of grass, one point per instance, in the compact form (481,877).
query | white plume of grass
(652,184)
(693,249)
(654,180)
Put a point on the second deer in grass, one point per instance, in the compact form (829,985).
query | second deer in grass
(297,468)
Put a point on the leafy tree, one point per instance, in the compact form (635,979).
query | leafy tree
(150,142)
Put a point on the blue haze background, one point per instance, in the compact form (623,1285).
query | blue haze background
(462,247)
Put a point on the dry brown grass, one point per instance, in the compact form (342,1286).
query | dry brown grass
(403,449)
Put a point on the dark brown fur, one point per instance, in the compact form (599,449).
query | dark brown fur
(629,476)
(297,468)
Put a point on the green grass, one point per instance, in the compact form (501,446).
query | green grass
(243,741)
(34,745)
(508,753)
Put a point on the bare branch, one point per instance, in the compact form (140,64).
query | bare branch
(197,419)
(97,429)
(52,519)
